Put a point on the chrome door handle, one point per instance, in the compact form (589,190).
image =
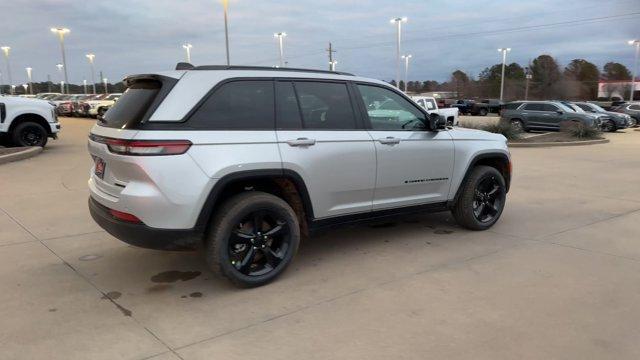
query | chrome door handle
(389,140)
(301,142)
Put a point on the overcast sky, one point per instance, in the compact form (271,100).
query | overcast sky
(442,35)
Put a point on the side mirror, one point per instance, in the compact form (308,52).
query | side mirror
(436,122)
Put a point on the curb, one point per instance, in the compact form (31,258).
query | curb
(566,143)
(20,155)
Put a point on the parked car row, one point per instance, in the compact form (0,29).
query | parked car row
(549,115)
(82,105)
(482,108)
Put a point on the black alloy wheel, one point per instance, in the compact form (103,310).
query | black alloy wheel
(608,126)
(488,199)
(259,243)
(29,134)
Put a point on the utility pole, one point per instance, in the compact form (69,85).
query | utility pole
(102,81)
(331,63)
(48,83)
(528,76)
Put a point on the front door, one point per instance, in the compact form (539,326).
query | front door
(414,165)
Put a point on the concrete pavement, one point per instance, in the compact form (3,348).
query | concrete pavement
(557,277)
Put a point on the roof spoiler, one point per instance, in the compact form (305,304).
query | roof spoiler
(184,66)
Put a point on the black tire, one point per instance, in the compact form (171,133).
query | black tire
(468,210)
(483,112)
(608,126)
(518,125)
(29,133)
(252,260)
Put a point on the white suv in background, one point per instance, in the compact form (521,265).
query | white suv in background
(27,122)
(243,161)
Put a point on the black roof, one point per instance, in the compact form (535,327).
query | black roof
(187,66)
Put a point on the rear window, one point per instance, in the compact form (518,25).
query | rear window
(131,107)
(512,106)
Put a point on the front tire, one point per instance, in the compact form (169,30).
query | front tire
(252,239)
(482,199)
(483,112)
(608,126)
(29,133)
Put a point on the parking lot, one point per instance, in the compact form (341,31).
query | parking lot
(556,277)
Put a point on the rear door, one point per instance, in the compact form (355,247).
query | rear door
(550,118)
(533,114)
(321,137)
(414,164)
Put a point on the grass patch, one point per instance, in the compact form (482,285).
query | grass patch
(580,131)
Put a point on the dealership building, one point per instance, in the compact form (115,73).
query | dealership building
(611,89)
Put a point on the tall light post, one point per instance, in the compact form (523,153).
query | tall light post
(60,67)
(280,37)
(225,5)
(106,84)
(398,21)
(61,32)
(5,50)
(406,70)
(30,81)
(332,65)
(504,52)
(188,47)
(25,87)
(91,57)
(84,85)
(528,77)
(635,43)
(1,84)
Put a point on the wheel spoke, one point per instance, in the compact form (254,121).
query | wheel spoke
(480,210)
(238,237)
(493,191)
(246,262)
(492,208)
(272,257)
(276,230)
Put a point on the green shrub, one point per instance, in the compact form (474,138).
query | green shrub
(502,128)
(579,130)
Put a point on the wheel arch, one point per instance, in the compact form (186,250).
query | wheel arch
(497,160)
(32,117)
(283,183)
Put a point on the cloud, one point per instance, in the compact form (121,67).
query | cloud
(144,35)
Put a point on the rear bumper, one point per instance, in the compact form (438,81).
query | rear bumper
(142,235)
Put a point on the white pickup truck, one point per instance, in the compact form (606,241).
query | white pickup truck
(430,104)
(27,122)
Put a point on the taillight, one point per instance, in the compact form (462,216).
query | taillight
(144,147)
(124,216)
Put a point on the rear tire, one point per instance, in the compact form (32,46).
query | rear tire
(482,199)
(252,239)
(29,133)
(517,125)
(608,126)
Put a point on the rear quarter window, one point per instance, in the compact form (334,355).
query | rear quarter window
(131,107)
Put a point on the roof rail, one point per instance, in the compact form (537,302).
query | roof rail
(187,66)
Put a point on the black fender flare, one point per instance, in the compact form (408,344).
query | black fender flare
(475,161)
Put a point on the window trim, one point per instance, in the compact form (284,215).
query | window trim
(363,108)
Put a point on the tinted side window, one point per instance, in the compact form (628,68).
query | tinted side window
(287,108)
(390,111)
(513,106)
(129,110)
(237,105)
(534,107)
(549,107)
(634,107)
(325,105)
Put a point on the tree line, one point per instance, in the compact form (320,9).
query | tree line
(578,80)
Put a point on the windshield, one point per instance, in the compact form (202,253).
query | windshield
(598,108)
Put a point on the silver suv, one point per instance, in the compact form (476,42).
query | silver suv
(244,161)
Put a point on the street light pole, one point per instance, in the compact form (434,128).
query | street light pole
(398,21)
(332,65)
(106,84)
(635,43)
(5,50)
(60,67)
(188,47)
(225,5)
(30,83)
(528,77)
(61,32)
(280,37)
(84,85)
(504,52)
(406,70)
(91,57)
